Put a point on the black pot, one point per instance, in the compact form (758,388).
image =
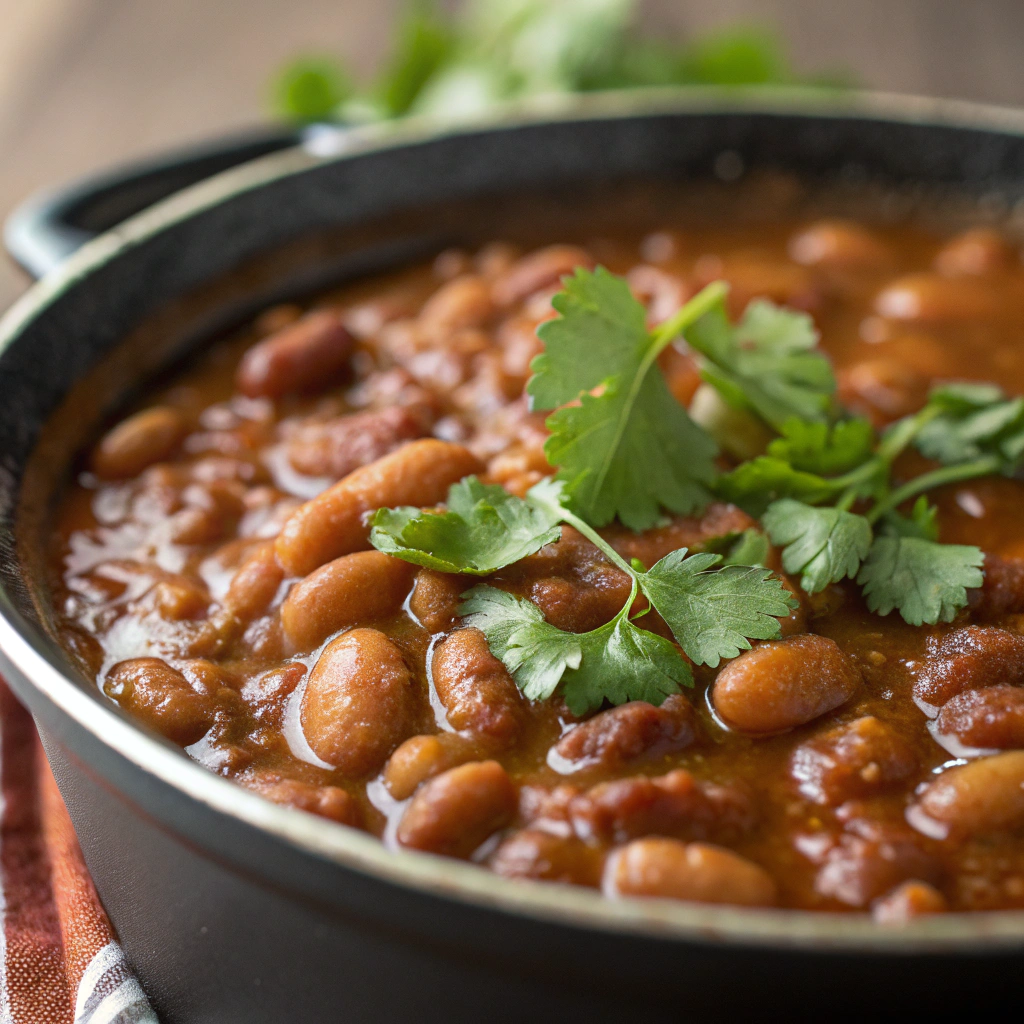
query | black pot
(232,909)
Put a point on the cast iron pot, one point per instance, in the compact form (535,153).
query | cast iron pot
(232,909)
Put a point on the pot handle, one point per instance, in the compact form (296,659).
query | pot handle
(49,226)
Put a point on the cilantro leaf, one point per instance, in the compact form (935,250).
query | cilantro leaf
(622,662)
(617,662)
(827,450)
(625,447)
(754,485)
(973,420)
(484,529)
(744,547)
(925,581)
(766,362)
(311,89)
(712,614)
(536,653)
(824,544)
(922,522)
(424,43)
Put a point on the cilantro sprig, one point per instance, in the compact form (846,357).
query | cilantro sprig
(713,612)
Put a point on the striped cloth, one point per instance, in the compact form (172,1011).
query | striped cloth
(59,960)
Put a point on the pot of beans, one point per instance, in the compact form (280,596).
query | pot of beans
(568,566)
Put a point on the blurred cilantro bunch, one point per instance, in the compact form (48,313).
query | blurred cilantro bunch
(496,50)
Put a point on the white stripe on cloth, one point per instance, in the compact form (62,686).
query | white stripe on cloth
(109,993)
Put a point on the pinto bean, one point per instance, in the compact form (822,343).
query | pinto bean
(969,658)
(307,355)
(359,702)
(475,688)
(422,757)
(533,853)
(325,801)
(851,761)
(435,599)
(860,868)
(675,805)
(1002,590)
(907,902)
(461,303)
(974,253)
(338,446)
(334,522)
(992,718)
(882,389)
(255,584)
(932,298)
(355,588)
(619,735)
(979,798)
(699,872)
(161,698)
(783,684)
(841,244)
(137,442)
(455,812)
(538,270)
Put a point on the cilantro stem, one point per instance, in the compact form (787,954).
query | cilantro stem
(598,541)
(704,301)
(936,478)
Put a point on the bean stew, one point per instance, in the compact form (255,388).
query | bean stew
(213,567)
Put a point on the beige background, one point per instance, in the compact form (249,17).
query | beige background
(85,83)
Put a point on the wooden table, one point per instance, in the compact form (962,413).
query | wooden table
(87,83)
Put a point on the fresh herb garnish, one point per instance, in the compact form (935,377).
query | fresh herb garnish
(625,447)
(712,612)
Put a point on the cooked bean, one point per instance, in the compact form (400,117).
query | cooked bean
(162,698)
(969,658)
(359,702)
(138,442)
(909,901)
(422,757)
(475,688)
(435,599)
(991,718)
(882,389)
(267,694)
(975,252)
(538,270)
(255,584)
(307,355)
(455,812)
(839,243)
(463,302)
(675,805)
(355,588)
(975,799)
(851,761)
(533,853)
(632,730)
(338,446)
(325,801)
(935,299)
(860,868)
(1002,590)
(334,522)
(783,684)
(669,869)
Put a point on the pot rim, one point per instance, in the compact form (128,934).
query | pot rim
(37,657)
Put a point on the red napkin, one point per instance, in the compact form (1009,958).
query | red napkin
(59,960)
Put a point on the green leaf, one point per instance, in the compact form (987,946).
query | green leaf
(922,522)
(743,547)
(824,544)
(630,449)
(484,529)
(766,362)
(311,89)
(712,614)
(424,44)
(825,449)
(925,581)
(743,56)
(973,420)
(536,653)
(756,484)
(617,662)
